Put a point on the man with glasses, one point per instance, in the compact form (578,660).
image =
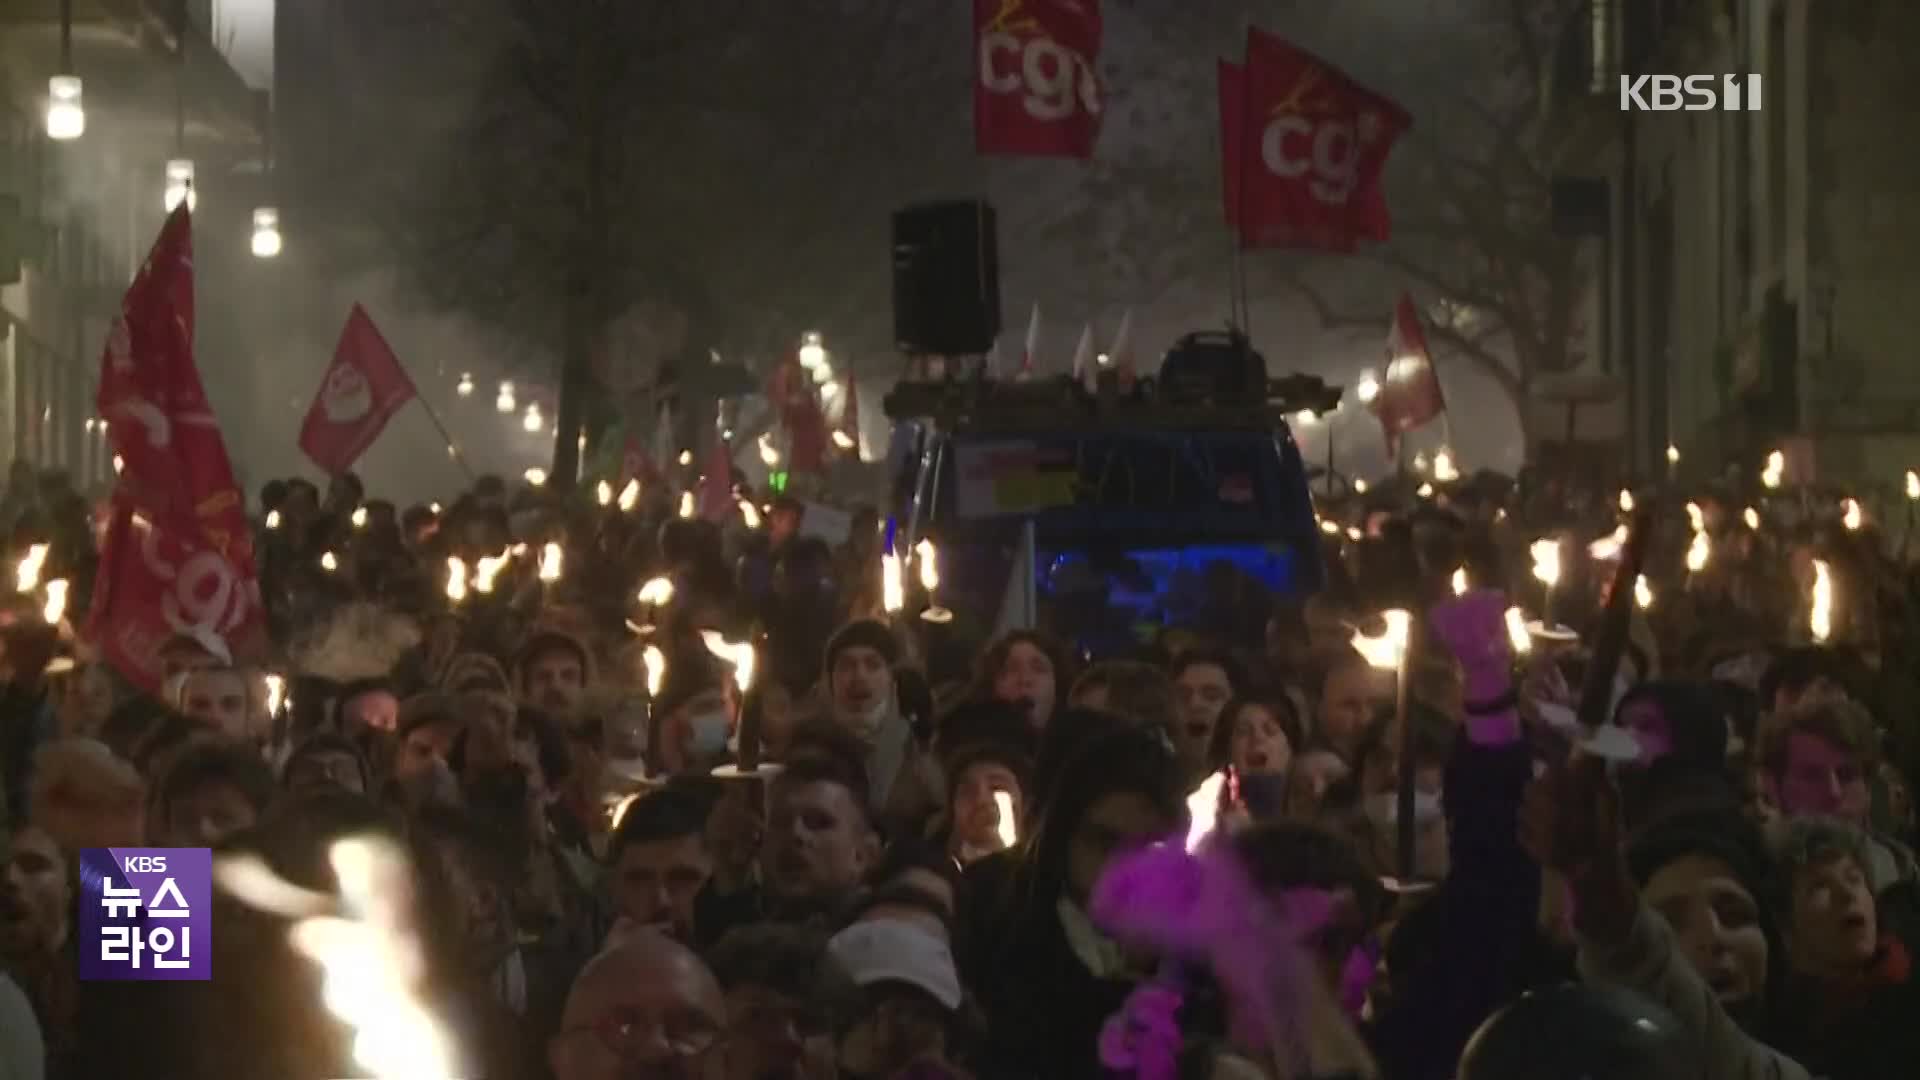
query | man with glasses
(645,1009)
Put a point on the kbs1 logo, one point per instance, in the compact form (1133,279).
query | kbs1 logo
(146,914)
(1691,93)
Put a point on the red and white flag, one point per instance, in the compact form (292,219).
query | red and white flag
(1085,365)
(1027,359)
(1304,147)
(177,558)
(1410,391)
(360,392)
(1036,84)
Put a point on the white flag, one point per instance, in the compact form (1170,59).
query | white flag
(1084,365)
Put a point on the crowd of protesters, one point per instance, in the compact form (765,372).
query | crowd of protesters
(874,854)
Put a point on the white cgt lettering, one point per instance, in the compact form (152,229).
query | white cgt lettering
(1331,161)
(1051,79)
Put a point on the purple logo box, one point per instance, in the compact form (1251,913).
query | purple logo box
(146,914)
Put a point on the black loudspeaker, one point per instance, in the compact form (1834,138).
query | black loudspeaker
(946,279)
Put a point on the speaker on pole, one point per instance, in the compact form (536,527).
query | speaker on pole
(946,278)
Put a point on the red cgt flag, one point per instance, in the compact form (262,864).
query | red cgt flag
(358,395)
(1410,393)
(1304,150)
(177,559)
(1036,90)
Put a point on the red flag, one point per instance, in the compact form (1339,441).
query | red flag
(1036,90)
(358,395)
(177,559)
(1233,129)
(1316,143)
(1410,393)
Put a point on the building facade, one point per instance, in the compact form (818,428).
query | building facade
(78,215)
(1761,265)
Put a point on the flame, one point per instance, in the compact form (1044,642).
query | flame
(686,457)
(1698,552)
(657,591)
(1425,491)
(893,594)
(1443,469)
(686,504)
(1359,486)
(360,517)
(1546,561)
(488,569)
(1517,636)
(1202,807)
(843,440)
(928,558)
(373,964)
(1752,518)
(119,463)
(630,496)
(1608,548)
(433,508)
(1913,484)
(1642,592)
(738,653)
(56,608)
(1387,650)
(1420,461)
(1009,828)
(26,576)
(1820,611)
(536,477)
(553,559)
(1331,528)
(1354,534)
(768,455)
(1460,582)
(456,578)
(1775,471)
(603,492)
(656,664)
(1673,454)
(1626,501)
(1852,517)
(328,562)
(1696,517)
(273,519)
(749,513)
(276,693)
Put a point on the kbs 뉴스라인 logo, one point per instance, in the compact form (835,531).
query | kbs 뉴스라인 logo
(1690,93)
(146,914)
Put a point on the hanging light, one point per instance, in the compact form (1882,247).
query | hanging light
(66,115)
(465,386)
(533,421)
(812,352)
(1368,388)
(180,185)
(266,233)
(504,401)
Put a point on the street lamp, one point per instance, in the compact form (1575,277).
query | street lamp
(534,421)
(66,115)
(504,402)
(180,185)
(266,233)
(812,352)
(465,386)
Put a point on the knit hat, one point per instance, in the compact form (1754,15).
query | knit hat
(864,634)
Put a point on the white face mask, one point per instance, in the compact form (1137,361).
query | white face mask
(1384,808)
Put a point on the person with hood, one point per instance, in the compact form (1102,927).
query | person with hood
(1047,978)
(903,780)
